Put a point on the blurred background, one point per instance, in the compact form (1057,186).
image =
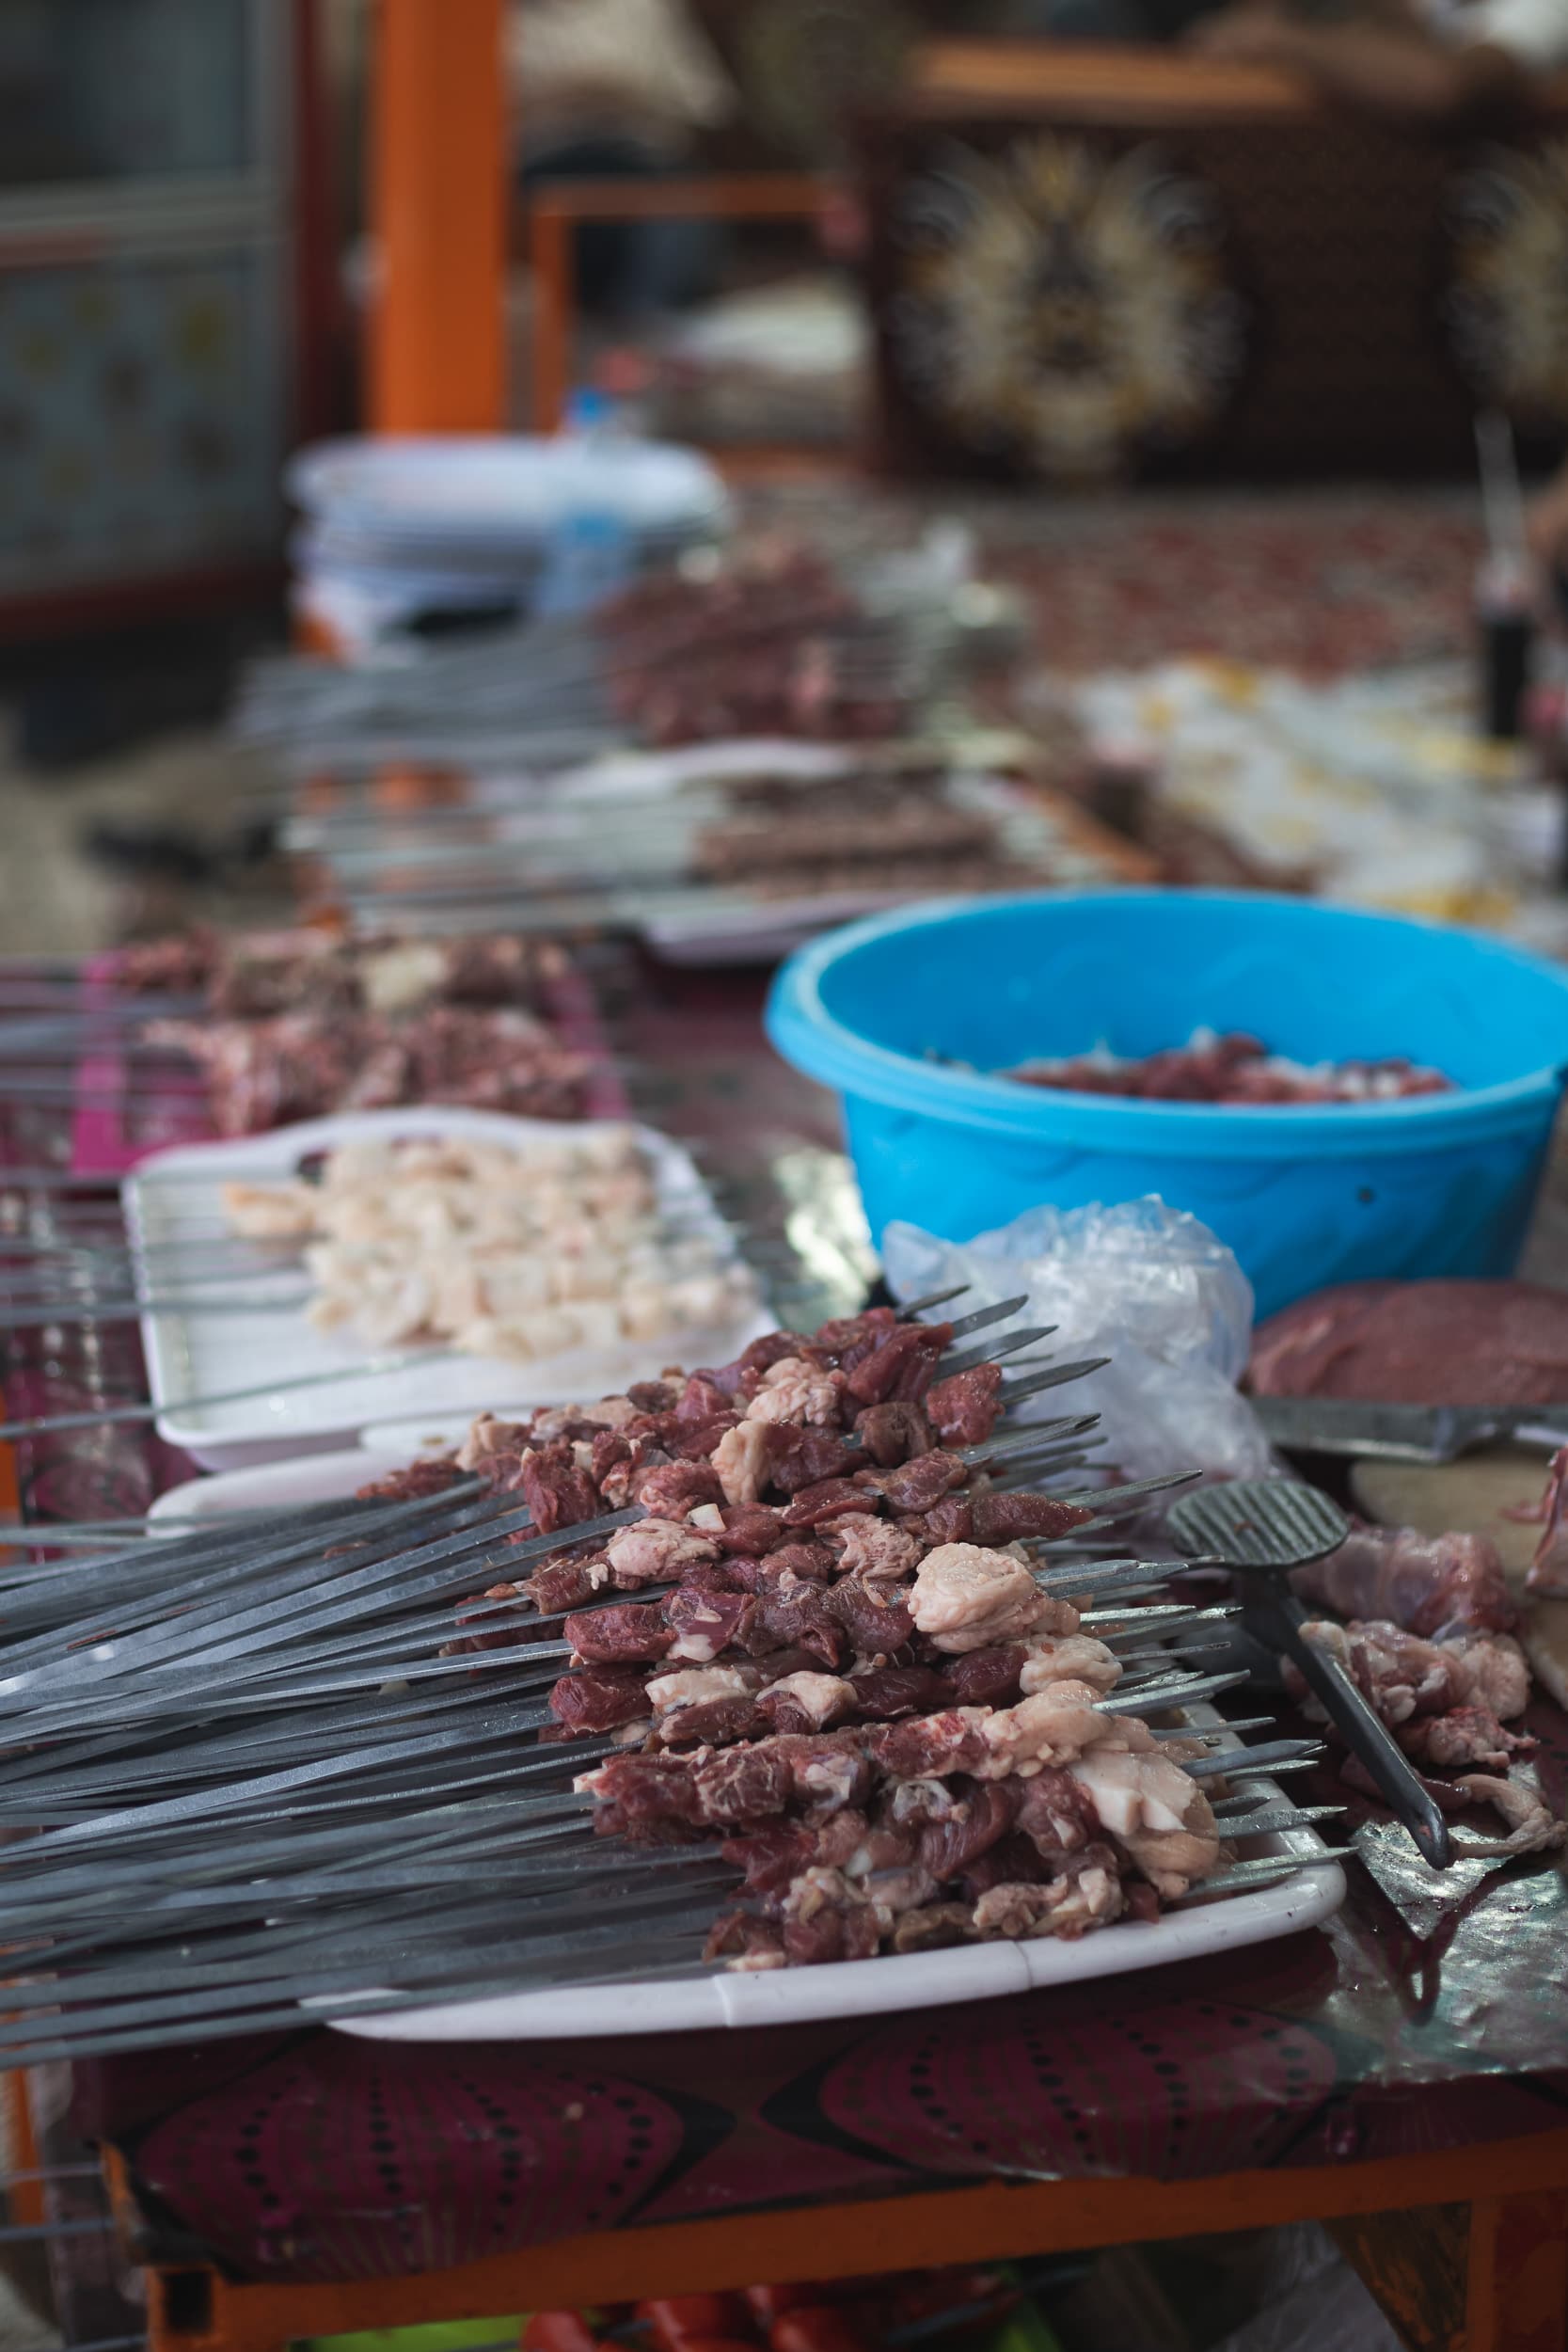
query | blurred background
(1177,322)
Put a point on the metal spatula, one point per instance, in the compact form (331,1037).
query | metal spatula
(1266,1526)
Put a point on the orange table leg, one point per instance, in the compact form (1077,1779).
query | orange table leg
(438,210)
(1517,2299)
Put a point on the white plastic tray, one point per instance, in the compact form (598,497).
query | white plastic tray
(273,1486)
(866,1988)
(195,1354)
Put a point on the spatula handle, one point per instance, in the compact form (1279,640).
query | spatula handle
(1362,1728)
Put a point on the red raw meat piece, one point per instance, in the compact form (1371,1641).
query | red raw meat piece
(902,1364)
(672,1490)
(962,1409)
(855,1334)
(714,1576)
(786,1712)
(998,1519)
(986,1813)
(648,1788)
(610,1449)
(888,1691)
(559,1585)
(750,1528)
(894,1433)
(928,1747)
(618,1633)
(830,1499)
(798,1620)
(1057,1815)
(986,1678)
(821,1454)
(949,1521)
(559,1494)
(773,1346)
(874,1615)
(746,1784)
(812,1561)
(828,1769)
(1012,1862)
(831,1935)
(694,1441)
(652,1397)
(599,1698)
(714,1724)
(701,1399)
(916,1486)
(1437,1342)
(772,1857)
(740,1935)
(411,1484)
(706,1620)
(498,1471)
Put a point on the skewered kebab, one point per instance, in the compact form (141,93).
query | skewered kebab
(298,1024)
(160,1668)
(553,1951)
(258,976)
(295,1066)
(775,644)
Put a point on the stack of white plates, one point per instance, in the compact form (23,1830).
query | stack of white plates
(401,526)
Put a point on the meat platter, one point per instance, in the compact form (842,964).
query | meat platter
(174,1204)
(864,1988)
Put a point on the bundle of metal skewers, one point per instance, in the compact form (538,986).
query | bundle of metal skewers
(333,1758)
(660,864)
(782,643)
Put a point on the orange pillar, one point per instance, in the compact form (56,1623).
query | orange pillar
(438,217)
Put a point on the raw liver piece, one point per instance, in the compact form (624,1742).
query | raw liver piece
(1419,1344)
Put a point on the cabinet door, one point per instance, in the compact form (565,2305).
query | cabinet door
(124,90)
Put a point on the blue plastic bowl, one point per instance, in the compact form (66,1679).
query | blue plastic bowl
(1437,1184)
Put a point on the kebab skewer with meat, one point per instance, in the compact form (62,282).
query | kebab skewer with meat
(943,1779)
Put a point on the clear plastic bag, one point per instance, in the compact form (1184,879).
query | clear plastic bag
(1147,1285)
(1314,2301)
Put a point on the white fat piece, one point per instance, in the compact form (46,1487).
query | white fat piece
(874,1551)
(1136,1792)
(966,1596)
(655,1551)
(741,1460)
(1054,1726)
(693,1685)
(1069,1658)
(792,1389)
(817,1695)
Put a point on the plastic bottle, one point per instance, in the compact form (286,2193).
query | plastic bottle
(590,555)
